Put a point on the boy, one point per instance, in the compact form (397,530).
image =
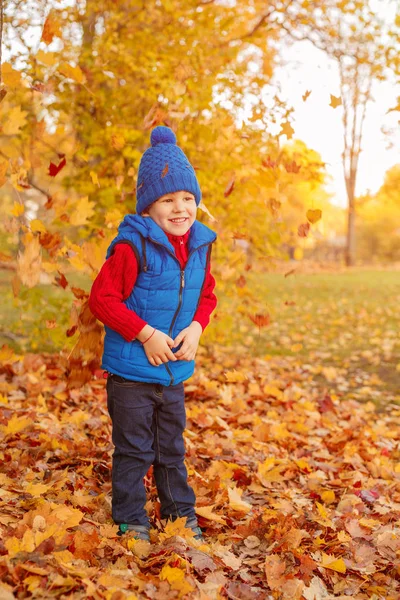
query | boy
(155,296)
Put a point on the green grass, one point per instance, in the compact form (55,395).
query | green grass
(343,327)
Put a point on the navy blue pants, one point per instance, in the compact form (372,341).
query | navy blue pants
(148,421)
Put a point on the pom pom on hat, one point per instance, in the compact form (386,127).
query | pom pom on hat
(164,168)
(162,135)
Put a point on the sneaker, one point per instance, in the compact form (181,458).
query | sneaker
(137,532)
(198,532)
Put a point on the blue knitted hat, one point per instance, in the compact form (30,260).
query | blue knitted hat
(163,169)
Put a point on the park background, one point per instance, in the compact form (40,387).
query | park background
(288,111)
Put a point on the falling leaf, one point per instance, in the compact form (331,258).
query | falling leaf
(229,188)
(61,280)
(306,95)
(29,262)
(260,320)
(55,169)
(303,230)
(95,179)
(335,101)
(83,212)
(117,141)
(314,215)
(164,171)
(287,130)
(203,207)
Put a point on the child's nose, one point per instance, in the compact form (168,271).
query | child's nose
(179,206)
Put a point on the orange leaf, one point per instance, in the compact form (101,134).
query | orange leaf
(229,188)
(165,171)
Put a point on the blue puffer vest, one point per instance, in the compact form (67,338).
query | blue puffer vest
(164,295)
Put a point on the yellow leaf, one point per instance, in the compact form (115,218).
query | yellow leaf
(296,347)
(117,141)
(335,101)
(83,211)
(176,579)
(177,527)
(235,376)
(16,424)
(303,465)
(37,225)
(11,77)
(335,564)
(328,496)
(71,72)
(95,179)
(206,512)
(18,209)
(272,390)
(36,489)
(3,171)
(314,215)
(236,502)
(343,537)
(16,119)
(47,58)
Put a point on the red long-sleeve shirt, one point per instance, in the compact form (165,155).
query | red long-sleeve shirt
(116,280)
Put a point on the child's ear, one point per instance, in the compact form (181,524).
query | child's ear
(144,214)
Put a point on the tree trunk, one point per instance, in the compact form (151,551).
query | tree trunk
(351,234)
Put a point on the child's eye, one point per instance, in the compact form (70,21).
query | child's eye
(189,198)
(167,200)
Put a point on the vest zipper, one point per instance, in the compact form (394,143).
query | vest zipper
(182,285)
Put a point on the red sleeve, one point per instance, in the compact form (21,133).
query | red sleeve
(112,286)
(208,300)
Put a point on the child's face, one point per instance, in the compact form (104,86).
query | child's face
(175,212)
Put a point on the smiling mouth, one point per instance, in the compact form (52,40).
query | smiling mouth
(180,220)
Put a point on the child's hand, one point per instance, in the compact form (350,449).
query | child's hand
(190,336)
(157,346)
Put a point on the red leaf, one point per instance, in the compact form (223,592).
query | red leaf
(78,293)
(325,404)
(55,169)
(61,281)
(70,332)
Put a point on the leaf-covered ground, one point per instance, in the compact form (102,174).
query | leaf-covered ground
(298,492)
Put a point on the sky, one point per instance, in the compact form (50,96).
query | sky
(320,126)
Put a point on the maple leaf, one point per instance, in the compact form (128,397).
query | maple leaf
(335,101)
(292,167)
(306,95)
(55,169)
(83,211)
(260,320)
(287,129)
(268,163)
